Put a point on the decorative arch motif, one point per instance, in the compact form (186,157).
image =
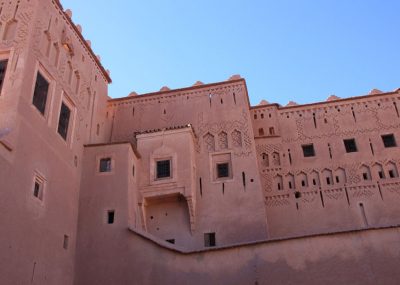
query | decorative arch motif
(209,142)
(276,160)
(236,138)
(223,140)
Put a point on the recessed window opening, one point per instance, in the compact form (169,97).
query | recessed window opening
(63,122)
(308,150)
(255,116)
(297,195)
(350,145)
(172,241)
(328,180)
(314,182)
(365,176)
(262,116)
(290,185)
(65,242)
(209,240)
(163,169)
(271,131)
(105,164)
(110,216)
(303,183)
(261,132)
(391,174)
(279,186)
(389,140)
(222,170)
(381,174)
(315,121)
(3,69)
(40,94)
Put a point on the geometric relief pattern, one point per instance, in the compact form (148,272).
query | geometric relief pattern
(277,201)
(334,194)
(223,140)
(362,192)
(239,128)
(209,142)
(236,138)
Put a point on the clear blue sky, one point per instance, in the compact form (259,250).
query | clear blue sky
(286,50)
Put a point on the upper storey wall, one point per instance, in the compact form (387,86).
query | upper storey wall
(326,125)
(205,107)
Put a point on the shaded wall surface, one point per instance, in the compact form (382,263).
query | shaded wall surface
(364,257)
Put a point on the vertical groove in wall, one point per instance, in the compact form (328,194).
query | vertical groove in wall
(223,188)
(33,272)
(372,147)
(364,216)
(322,198)
(234,97)
(330,150)
(244,180)
(380,190)
(201,187)
(347,195)
(397,110)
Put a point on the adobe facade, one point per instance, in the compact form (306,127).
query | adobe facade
(182,186)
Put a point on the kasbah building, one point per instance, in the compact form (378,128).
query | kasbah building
(186,186)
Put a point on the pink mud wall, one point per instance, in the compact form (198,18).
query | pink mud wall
(211,110)
(323,207)
(367,257)
(32,231)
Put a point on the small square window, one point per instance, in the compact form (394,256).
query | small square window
(105,164)
(209,240)
(110,217)
(222,170)
(308,150)
(389,140)
(350,145)
(163,169)
(40,94)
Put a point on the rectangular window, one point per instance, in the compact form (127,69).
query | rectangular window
(209,239)
(105,165)
(222,170)
(350,145)
(40,93)
(163,169)
(63,122)
(3,69)
(365,176)
(110,217)
(389,140)
(38,187)
(308,150)
(391,174)
(66,241)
